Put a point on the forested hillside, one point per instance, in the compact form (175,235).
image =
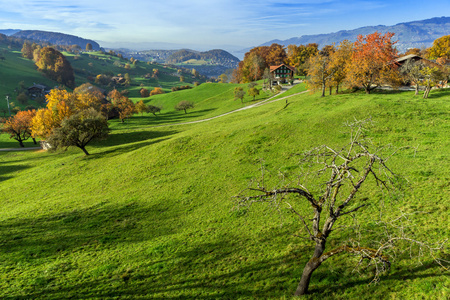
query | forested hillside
(56,38)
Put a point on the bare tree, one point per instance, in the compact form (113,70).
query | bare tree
(335,204)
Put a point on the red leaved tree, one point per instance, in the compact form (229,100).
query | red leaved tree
(19,126)
(371,63)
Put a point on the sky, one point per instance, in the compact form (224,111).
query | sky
(209,24)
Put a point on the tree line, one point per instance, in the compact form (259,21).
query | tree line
(367,63)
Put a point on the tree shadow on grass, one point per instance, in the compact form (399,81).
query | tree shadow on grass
(32,239)
(130,141)
(318,289)
(168,118)
(6,168)
(188,274)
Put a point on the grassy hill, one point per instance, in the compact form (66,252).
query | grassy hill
(149,215)
(15,69)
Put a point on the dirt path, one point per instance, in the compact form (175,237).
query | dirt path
(270,100)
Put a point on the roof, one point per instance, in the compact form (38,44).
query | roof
(273,68)
(403,59)
(406,57)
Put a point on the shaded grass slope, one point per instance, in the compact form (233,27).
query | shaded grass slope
(149,214)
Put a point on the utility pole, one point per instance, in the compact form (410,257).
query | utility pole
(7,101)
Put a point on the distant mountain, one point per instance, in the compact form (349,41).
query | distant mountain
(415,34)
(55,38)
(9,31)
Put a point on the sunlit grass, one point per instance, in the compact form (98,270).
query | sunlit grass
(149,214)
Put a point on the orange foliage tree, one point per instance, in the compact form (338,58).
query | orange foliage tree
(19,126)
(372,59)
(257,60)
(124,106)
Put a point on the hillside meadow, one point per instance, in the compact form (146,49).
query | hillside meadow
(150,214)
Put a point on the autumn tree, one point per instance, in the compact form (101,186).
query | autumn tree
(124,106)
(330,196)
(412,72)
(80,129)
(19,126)
(239,93)
(223,78)
(88,47)
(156,91)
(60,105)
(297,56)
(440,48)
(184,105)
(338,63)
(144,92)
(253,92)
(27,50)
(54,65)
(372,60)
(320,72)
(141,107)
(431,77)
(257,60)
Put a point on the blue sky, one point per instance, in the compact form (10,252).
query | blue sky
(209,23)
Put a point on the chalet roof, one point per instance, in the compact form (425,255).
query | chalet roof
(273,68)
(406,57)
(38,86)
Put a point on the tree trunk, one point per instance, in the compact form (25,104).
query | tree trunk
(21,143)
(417,89)
(84,150)
(310,267)
(34,141)
(323,90)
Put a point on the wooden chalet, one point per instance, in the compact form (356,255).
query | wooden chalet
(282,73)
(38,91)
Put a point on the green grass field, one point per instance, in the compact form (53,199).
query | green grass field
(14,69)
(149,214)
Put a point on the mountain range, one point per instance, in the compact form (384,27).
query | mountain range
(415,34)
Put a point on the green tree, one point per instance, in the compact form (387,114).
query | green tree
(153,109)
(80,129)
(184,105)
